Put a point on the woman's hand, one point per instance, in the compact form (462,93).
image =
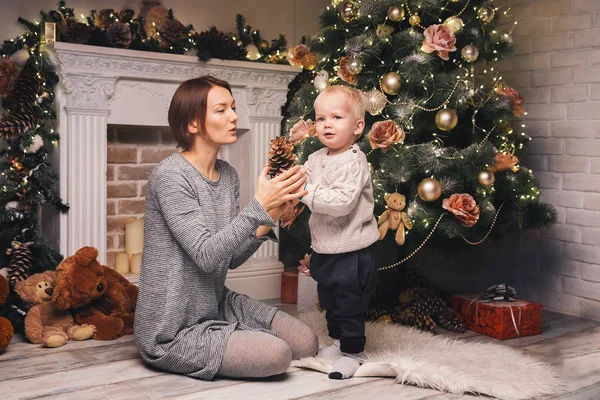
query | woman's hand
(287,186)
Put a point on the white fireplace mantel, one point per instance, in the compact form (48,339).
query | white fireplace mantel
(101,86)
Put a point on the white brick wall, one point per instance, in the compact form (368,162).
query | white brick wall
(557,69)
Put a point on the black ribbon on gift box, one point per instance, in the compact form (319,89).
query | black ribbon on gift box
(500,292)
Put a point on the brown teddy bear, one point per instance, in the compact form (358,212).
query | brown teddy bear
(44,323)
(95,294)
(6,329)
(394,217)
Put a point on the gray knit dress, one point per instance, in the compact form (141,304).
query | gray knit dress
(193,233)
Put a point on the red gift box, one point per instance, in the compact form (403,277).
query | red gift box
(289,287)
(498,319)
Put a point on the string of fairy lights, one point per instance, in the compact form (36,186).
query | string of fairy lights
(446,119)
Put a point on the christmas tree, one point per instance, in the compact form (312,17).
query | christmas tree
(442,127)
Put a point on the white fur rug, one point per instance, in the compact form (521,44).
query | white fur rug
(454,366)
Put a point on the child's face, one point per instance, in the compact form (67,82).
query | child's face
(337,124)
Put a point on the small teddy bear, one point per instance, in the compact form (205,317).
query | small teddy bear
(45,323)
(394,218)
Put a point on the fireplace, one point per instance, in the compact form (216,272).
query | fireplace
(106,91)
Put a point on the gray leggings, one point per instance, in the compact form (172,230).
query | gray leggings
(252,354)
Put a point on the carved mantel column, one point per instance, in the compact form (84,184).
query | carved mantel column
(83,161)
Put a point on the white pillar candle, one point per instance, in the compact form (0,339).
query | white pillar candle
(122,263)
(134,237)
(136,263)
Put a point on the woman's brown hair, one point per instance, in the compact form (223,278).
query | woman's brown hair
(189,104)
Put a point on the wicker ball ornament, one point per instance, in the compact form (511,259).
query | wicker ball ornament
(375,101)
(429,189)
(446,119)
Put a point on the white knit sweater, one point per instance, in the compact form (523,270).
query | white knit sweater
(340,197)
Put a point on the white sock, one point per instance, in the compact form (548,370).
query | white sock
(331,351)
(346,366)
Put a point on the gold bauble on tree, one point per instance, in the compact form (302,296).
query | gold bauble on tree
(391,83)
(469,53)
(396,13)
(414,20)
(454,23)
(486,13)
(355,65)
(349,11)
(486,178)
(429,189)
(309,61)
(446,119)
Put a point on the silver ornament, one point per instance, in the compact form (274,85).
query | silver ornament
(469,53)
(355,65)
(396,13)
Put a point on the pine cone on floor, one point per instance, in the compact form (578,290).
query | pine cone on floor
(428,306)
(118,35)
(449,320)
(413,294)
(408,318)
(375,314)
(20,263)
(281,155)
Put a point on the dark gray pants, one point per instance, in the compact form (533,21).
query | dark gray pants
(346,283)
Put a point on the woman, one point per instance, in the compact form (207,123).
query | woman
(186,320)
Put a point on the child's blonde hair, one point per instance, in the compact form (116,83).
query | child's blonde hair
(354,96)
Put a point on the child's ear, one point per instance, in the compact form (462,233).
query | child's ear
(360,126)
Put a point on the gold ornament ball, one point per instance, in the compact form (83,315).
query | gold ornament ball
(454,23)
(470,53)
(486,14)
(355,65)
(414,20)
(391,83)
(375,101)
(349,11)
(263,45)
(429,189)
(486,178)
(446,119)
(396,13)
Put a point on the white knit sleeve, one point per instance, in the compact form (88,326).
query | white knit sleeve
(341,192)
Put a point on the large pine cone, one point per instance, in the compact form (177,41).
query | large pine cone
(408,318)
(281,155)
(76,32)
(173,33)
(429,306)
(16,124)
(118,35)
(20,263)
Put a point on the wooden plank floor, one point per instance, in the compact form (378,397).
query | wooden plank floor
(92,370)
